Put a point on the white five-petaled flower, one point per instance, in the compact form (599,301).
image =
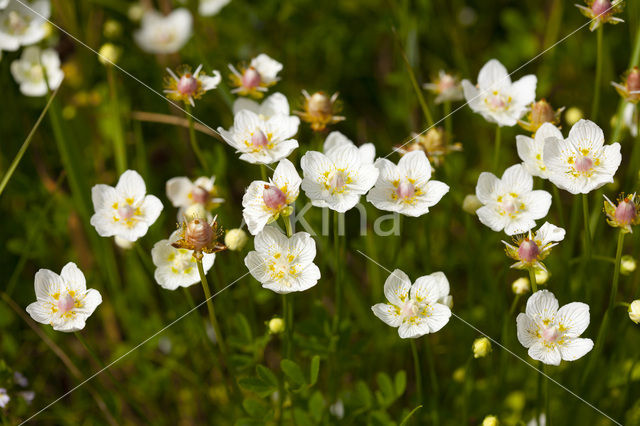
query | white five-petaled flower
(496,98)
(529,249)
(531,150)
(254,80)
(125,211)
(581,162)
(176,267)
(337,178)
(264,201)
(510,204)
(29,71)
(164,34)
(416,309)
(276,104)
(283,264)
(336,139)
(23,24)
(187,86)
(183,193)
(63,301)
(211,7)
(447,88)
(406,188)
(553,334)
(262,141)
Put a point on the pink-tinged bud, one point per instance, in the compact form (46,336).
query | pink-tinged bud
(273,197)
(625,212)
(583,164)
(187,85)
(259,139)
(251,78)
(198,233)
(66,303)
(528,251)
(200,195)
(542,112)
(601,7)
(405,190)
(319,104)
(551,334)
(633,80)
(126,212)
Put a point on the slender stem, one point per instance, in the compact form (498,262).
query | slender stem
(194,140)
(118,136)
(635,58)
(338,271)
(263,172)
(532,279)
(287,226)
(287,316)
(448,123)
(616,270)
(496,147)
(558,203)
(514,305)
(212,313)
(466,386)
(539,394)
(435,389)
(587,232)
(547,412)
(596,89)
(416,370)
(25,144)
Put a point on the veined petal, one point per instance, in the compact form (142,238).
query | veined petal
(131,185)
(387,313)
(547,354)
(396,287)
(574,348)
(46,283)
(549,233)
(542,306)
(527,330)
(574,317)
(493,76)
(437,317)
(73,278)
(486,187)
(415,166)
(178,190)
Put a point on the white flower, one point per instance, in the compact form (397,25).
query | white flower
(28,71)
(634,311)
(187,87)
(416,309)
(176,267)
(63,301)
(183,193)
(23,25)
(447,87)
(264,202)
(581,162)
(257,78)
(550,334)
(509,203)
(125,210)
(276,104)
(336,139)
(164,34)
(406,188)
(3,3)
(630,119)
(496,98)
(530,250)
(262,141)
(4,398)
(283,264)
(337,178)
(531,150)
(211,7)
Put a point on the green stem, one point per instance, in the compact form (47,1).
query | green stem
(532,279)
(435,389)
(338,271)
(539,394)
(118,136)
(25,144)
(287,226)
(514,305)
(416,370)
(496,152)
(448,123)
(212,313)
(263,172)
(587,232)
(194,140)
(466,386)
(547,412)
(616,270)
(287,316)
(558,202)
(596,89)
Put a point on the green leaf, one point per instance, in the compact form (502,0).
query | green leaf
(267,375)
(386,395)
(316,406)
(406,419)
(259,386)
(256,408)
(363,394)
(315,370)
(293,372)
(302,418)
(400,382)
(244,330)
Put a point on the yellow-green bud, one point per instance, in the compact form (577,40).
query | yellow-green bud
(520,286)
(235,239)
(490,421)
(634,311)
(573,115)
(195,211)
(276,325)
(109,54)
(542,276)
(481,347)
(458,374)
(122,243)
(471,203)
(627,264)
(135,12)
(112,29)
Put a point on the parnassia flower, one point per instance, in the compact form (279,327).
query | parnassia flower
(634,311)
(63,301)
(273,105)
(416,309)
(435,142)
(262,141)
(531,149)
(164,34)
(320,110)
(200,236)
(630,89)
(529,250)
(211,7)
(496,98)
(187,86)
(623,215)
(264,201)
(540,112)
(337,178)
(510,204)
(336,139)
(581,162)
(29,71)
(553,334)
(282,264)
(23,23)
(447,88)
(176,267)
(125,211)
(256,79)
(183,193)
(406,188)
(601,12)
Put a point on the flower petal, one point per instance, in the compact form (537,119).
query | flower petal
(396,287)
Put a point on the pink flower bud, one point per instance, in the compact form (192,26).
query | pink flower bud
(251,78)
(259,139)
(405,190)
(66,303)
(601,7)
(187,85)
(633,80)
(528,251)
(625,212)
(200,195)
(273,197)
(542,112)
(198,233)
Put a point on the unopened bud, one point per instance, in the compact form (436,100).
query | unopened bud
(481,347)
(520,286)
(471,203)
(490,421)
(276,326)
(627,264)
(528,251)
(195,211)
(634,311)
(235,239)
(542,276)
(109,54)
(573,115)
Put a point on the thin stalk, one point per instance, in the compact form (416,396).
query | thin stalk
(338,271)
(616,270)
(263,172)
(558,203)
(26,143)
(596,89)
(119,148)
(287,226)
(547,412)
(416,370)
(587,232)
(212,312)
(194,140)
(467,385)
(539,394)
(435,388)
(496,148)
(532,279)
(448,123)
